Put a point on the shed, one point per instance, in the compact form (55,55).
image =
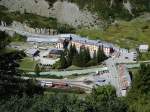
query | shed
(32,52)
(143,48)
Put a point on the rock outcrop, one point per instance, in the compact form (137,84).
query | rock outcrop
(84,13)
(64,11)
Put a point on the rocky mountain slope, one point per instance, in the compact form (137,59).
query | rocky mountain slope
(89,13)
(65,12)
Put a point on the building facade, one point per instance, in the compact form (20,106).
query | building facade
(92,45)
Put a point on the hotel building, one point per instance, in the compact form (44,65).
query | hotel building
(79,42)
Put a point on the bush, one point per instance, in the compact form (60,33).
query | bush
(50,76)
(45,76)
(68,90)
(91,63)
(18,38)
(64,28)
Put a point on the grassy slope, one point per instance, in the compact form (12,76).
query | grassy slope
(127,34)
(6,50)
(30,19)
(35,20)
(27,64)
(18,38)
(144,56)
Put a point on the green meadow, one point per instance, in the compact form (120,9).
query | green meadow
(128,34)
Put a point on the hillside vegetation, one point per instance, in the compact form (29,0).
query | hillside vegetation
(28,18)
(113,8)
(34,21)
(127,34)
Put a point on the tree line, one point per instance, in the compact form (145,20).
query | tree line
(81,58)
(139,95)
(11,82)
(102,99)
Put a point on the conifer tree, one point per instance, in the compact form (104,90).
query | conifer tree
(88,56)
(82,57)
(4,40)
(74,50)
(63,61)
(71,53)
(100,55)
(76,60)
(94,56)
(37,70)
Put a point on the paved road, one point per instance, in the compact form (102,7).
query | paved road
(52,38)
(114,74)
(136,65)
(129,66)
(67,73)
(148,61)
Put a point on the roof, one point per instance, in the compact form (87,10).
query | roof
(66,35)
(46,61)
(42,39)
(83,40)
(55,51)
(52,50)
(124,77)
(61,41)
(31,51)
(144,46)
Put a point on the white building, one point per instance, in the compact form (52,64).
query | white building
(92,45)
(47,61)
(143,48)
(32,52)
(44,60)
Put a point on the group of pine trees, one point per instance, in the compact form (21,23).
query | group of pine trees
(11,82)
(81,58)
(138,97)
(102,99)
